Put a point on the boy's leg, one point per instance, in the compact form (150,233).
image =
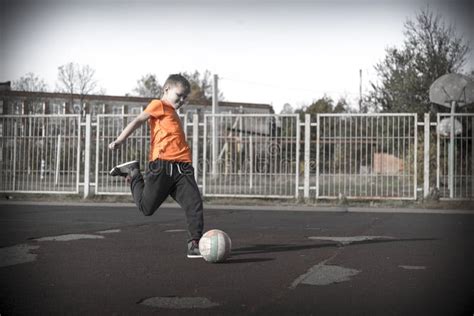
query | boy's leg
(186,193)
(151,192)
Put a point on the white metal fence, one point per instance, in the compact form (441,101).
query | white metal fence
(254,155)
(368,156)
(40,153)
(455,156)
(326,156)
(107,129)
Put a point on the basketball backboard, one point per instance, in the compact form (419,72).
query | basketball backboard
(452,88)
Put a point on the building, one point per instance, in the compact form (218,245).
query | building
(23,102)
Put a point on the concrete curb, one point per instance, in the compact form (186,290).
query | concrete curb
(286,208)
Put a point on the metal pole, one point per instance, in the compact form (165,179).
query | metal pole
(251,161)
(87,156)
(415,148)
(426,163)
(297,158)
(204,157)
(58,160)
(451,153)
(14,154)
(196,145)
(215,103)
(317,153)
(438,153)
(307,147)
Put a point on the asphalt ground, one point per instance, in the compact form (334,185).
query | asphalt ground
(106,259)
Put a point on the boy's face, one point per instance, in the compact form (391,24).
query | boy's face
(176,95)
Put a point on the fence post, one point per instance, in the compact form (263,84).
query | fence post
(426,162)
(196,145)
(215,105)
(14,154)
(251,162)
(58,161)
(317,154)
(307,147)
(87,156)
(298,148)
(415,189)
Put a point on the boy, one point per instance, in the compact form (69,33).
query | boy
(170,169)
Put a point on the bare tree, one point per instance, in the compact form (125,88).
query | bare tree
(76,79)
(33,102)
(30,82)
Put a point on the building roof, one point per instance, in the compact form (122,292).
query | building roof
(125,99)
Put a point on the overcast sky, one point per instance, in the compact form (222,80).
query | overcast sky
(273,52)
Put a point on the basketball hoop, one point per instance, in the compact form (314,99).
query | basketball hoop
(451,90)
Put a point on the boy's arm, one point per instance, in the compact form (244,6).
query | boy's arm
(129,129)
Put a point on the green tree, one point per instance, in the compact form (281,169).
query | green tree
(201,86)
(148,86)
(431,49)
(287,109)
(341,106)
(323,105)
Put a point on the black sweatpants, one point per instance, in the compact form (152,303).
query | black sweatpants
(164,178)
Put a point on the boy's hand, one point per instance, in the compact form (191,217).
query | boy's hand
(114,145)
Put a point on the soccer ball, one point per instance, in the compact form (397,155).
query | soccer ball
(215,246)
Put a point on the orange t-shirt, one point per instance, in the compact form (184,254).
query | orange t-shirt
(167,141)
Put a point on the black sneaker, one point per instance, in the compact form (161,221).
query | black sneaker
(123,170)
(193,249)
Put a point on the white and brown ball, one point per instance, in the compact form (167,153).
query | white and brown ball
(215,246)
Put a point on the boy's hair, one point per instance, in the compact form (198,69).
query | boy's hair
(176,79)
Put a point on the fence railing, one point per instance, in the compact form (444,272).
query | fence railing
(325,156)
(40,153)
(368,156)
(455,158)
(251,155)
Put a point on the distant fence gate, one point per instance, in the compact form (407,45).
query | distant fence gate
(323,156)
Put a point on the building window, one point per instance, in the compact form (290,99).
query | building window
(57,108)
(118,110)
(136,110)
